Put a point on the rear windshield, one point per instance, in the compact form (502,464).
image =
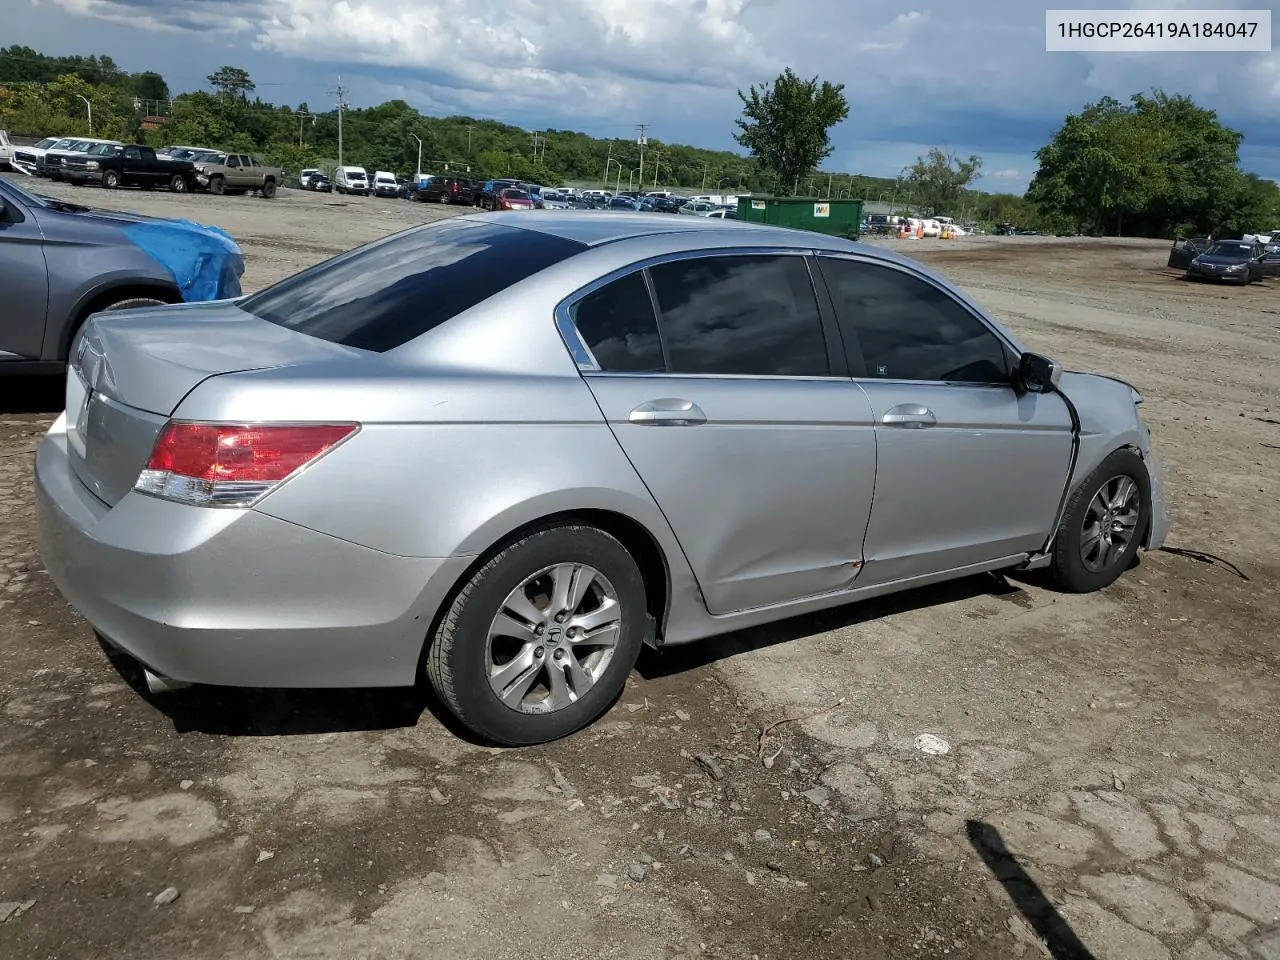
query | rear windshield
(515,194)
(384,294)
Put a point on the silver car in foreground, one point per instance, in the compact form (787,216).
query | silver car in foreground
(506,451)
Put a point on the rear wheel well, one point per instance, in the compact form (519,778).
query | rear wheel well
(632,535)
(156,291)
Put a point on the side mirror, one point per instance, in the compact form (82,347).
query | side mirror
(1038,374)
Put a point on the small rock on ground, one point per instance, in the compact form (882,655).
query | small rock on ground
(15,909)
(435,880)
(166,896)
(763,836)
(637,871)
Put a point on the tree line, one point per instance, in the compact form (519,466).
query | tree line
(1158,166)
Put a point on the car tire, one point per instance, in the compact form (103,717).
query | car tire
(111,179)
(1114,501)
(268,190)
(465,648)
(178,183)
(217,186)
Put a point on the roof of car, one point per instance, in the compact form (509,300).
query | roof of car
(594,227)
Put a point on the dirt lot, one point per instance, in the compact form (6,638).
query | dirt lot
(1111,784)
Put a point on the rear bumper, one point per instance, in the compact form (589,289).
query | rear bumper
(233,597)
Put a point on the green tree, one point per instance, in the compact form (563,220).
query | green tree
(938,181)
(231,82)
(1157,166)
(786,125)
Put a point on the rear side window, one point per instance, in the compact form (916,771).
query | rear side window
(382,295)
(747,315)
(618,326)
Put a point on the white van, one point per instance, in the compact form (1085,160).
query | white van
(351,180)
(384,184)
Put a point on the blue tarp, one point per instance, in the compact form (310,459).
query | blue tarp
(205,262)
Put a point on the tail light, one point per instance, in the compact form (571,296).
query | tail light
(232,465)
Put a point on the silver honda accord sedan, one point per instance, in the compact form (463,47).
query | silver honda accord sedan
(505,451)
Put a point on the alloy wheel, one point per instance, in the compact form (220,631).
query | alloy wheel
(1110,523)
(553,638)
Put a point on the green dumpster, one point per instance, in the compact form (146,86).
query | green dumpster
(841,218)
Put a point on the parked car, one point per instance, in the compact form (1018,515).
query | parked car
(459,190)
(1233,261)
(238,173)
(623,203)
(245,432)
(131,166)
(6,151)
(724,213)
(487,197)
(384,184)
(62,262)
(513,199)
(319,183)
(50,165)
(305,175)
(27,159)
(697,208)
(352,180)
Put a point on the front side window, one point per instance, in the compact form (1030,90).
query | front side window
(385,294)
(618,325)
(745,315)
(132,153)
(911,330)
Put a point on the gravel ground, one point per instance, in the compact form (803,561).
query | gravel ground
(1111,784)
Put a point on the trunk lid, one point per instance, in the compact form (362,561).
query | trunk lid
(129,370)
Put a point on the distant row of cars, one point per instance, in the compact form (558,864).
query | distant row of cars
(113,164)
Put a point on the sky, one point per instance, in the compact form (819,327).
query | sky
(968,76)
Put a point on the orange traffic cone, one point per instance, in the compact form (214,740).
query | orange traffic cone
(902,229)
(920,230)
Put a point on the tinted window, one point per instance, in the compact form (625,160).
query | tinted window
(384,294)
(132,153)
(911,330)
(515,194)
(619,328)
(741,315)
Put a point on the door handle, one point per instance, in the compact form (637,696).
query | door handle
(913,415)
(667,412)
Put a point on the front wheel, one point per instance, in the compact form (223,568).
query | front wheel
(217,186)
(111,179)
(178,183)
(1104,524)
(540,640)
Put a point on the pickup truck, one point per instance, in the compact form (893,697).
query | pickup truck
(129,166)
(6,151)
(238,173)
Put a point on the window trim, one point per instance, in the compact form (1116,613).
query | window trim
(588,366)
(853,344)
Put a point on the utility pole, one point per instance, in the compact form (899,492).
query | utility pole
(469,126)
(418,179)
(705,167)
(607,161)
(341,93)
(641,139)
(657,166)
